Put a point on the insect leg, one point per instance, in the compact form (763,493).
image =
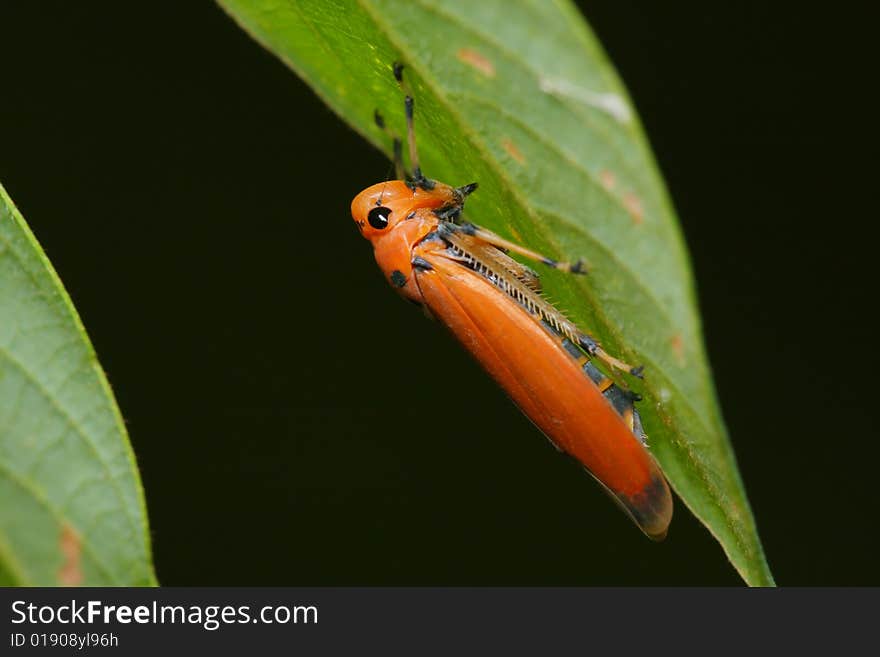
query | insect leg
(577,267)
(476,245)
(399,171)
(589,344)
(418,177)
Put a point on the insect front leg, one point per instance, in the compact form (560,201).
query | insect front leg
(487,236)
(417,179)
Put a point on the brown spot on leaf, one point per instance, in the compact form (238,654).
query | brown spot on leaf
(70,573)
(475,60)
(513,151)
(677,343)
(633,205)
(607,179)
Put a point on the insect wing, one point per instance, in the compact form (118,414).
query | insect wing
(548,385)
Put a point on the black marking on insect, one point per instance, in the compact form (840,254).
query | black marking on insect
(466,190)
(573,350)
(421,264)
(588,344)
(433,236)
(449,213)
(638,429)
(549,327)
(419,180)
(445,229)
(619,399)
(593,372)
(397,278)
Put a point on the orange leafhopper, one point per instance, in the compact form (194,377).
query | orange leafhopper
(462,275)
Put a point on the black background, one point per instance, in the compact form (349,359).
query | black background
(193,195)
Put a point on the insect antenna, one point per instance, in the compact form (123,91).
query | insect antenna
(397,146)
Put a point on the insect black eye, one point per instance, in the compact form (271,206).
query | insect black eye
(378,217)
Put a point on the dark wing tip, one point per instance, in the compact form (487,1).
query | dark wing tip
(650,508)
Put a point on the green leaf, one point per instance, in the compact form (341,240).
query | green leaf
(71,504)
(520,97)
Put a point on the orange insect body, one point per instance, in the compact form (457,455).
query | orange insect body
(492,304)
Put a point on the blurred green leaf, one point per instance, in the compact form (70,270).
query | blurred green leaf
(520,97)
(71,505)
